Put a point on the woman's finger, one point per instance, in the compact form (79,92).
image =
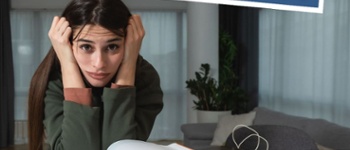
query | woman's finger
(134,28)
(61,25)
(67,32)
(130,32)
(137,26)
(53,25)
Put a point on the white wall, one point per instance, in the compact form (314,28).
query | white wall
(132,4)
(202,44)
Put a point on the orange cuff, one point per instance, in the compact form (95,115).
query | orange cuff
(78,95)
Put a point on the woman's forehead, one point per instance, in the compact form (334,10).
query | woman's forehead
(93,30)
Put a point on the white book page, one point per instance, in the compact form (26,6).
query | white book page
(176,146)
(137,145)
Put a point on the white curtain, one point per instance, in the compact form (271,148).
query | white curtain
(30,44)
(164,46)
(304,62)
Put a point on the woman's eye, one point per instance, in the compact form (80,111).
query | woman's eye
(85,47)
(112,47)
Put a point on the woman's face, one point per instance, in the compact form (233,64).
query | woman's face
(98,52)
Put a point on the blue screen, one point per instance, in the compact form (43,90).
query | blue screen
(307,3)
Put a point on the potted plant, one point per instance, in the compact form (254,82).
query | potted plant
(209,106)
(205,88)
(221,96)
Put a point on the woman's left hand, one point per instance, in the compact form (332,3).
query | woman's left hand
(133,41)
(134,37)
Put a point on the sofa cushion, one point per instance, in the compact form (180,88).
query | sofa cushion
(227,123)
(266,116)
(323,132)
(278,138)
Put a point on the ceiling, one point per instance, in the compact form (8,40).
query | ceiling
(132,4)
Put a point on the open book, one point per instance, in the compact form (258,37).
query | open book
(137,145)
(176,146)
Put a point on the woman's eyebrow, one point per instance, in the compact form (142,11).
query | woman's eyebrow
(85,40)
(114,39)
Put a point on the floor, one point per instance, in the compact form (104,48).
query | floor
(16,147)
(24,146)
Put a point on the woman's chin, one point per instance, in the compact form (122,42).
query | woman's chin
(98,83)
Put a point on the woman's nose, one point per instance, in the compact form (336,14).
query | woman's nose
(99,60)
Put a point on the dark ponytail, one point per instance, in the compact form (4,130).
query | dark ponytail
(36,106)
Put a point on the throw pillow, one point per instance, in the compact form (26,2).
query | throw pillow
(323,132)
(227,123)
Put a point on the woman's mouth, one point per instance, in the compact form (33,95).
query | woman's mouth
(98,76)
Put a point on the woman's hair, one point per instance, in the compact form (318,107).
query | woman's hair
(110,14)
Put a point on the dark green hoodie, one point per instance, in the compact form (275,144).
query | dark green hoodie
(117,113)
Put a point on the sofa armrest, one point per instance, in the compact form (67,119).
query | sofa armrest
(197,135)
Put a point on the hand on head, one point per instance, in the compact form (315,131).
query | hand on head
(134,37)
(133,41)
(59,35)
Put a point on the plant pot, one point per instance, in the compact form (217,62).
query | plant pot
(207,116)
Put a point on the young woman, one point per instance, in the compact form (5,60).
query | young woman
(93,88)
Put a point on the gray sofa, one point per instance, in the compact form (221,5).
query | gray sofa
(330,135)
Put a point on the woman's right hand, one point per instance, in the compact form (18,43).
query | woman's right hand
(59,35)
